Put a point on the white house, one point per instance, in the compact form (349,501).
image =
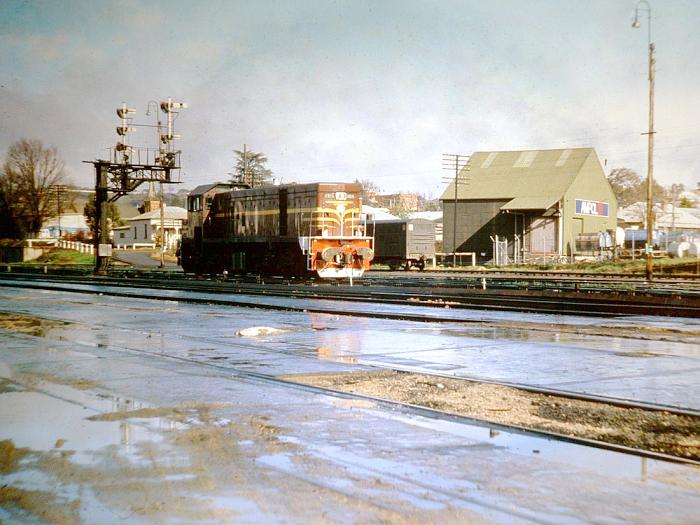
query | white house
(143,229)
(668,218)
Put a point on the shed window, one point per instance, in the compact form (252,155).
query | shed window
(489,159)
(563,158)
(525,159)
(145,231)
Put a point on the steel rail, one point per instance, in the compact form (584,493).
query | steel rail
(518,300)
(621,402)
(411,409)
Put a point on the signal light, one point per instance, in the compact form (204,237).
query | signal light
(168,138)
(167,107)
(123,130)
(124,112)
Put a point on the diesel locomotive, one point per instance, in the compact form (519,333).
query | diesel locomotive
(291,230)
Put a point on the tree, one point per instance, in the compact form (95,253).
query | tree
(370,190)
(26,178)
(428,203)
(400,210)
(251,168)
(685,202)
(630,188)
(627,186)
(113,217)
(10,228)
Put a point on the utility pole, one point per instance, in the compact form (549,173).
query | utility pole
(59,189)
(650,153)
(457,162)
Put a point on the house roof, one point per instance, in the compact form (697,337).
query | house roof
(519,174)
(68,220)
(531,203)
(434,216)
(199,190)
(379,214)
(169,212)
(666,217)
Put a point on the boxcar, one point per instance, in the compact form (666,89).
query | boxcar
(404,243)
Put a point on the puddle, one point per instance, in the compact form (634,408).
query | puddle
(278,461)
(28,324)
(64,423)
(608,463)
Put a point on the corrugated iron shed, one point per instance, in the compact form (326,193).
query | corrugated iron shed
(511,174)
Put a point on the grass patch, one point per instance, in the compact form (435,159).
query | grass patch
(58,256)
(638,266)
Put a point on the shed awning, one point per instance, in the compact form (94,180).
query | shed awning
(530,203)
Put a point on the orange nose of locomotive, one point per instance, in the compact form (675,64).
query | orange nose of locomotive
(341,259)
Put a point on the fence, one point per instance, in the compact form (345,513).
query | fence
(77,246)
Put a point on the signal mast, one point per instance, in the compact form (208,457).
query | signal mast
(128,167)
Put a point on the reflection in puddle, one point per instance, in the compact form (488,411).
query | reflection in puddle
(609,463)
(329,354)
(44,422)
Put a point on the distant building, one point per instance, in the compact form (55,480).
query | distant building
(406,201)
(67,224)
(143,229)
(377,214)
(535,203)
(667,218)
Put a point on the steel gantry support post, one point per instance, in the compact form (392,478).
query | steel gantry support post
(102,230)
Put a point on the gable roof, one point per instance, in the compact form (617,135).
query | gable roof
(169,212)
(534,177)
(203,188)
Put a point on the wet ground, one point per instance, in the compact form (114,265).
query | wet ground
(653,360)
(115,417)
(657,431)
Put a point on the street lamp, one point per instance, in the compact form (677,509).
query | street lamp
(644,6)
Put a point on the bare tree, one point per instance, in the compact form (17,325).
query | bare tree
(26,178)
(630,188)
(370,190)
(627,186)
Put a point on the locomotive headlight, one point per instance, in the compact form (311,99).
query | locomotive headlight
(340,208)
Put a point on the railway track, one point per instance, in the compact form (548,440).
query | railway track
(556,300)
(616,401)
(232,371)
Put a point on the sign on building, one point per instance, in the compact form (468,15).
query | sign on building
(599,209)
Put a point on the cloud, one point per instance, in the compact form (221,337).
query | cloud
(339,90)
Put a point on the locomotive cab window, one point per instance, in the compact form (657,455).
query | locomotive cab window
(194,203)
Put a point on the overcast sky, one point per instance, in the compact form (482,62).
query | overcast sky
(344,90)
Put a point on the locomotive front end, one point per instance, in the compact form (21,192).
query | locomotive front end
(338,245)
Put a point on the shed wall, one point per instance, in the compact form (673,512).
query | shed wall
(477,222)
(590,185)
